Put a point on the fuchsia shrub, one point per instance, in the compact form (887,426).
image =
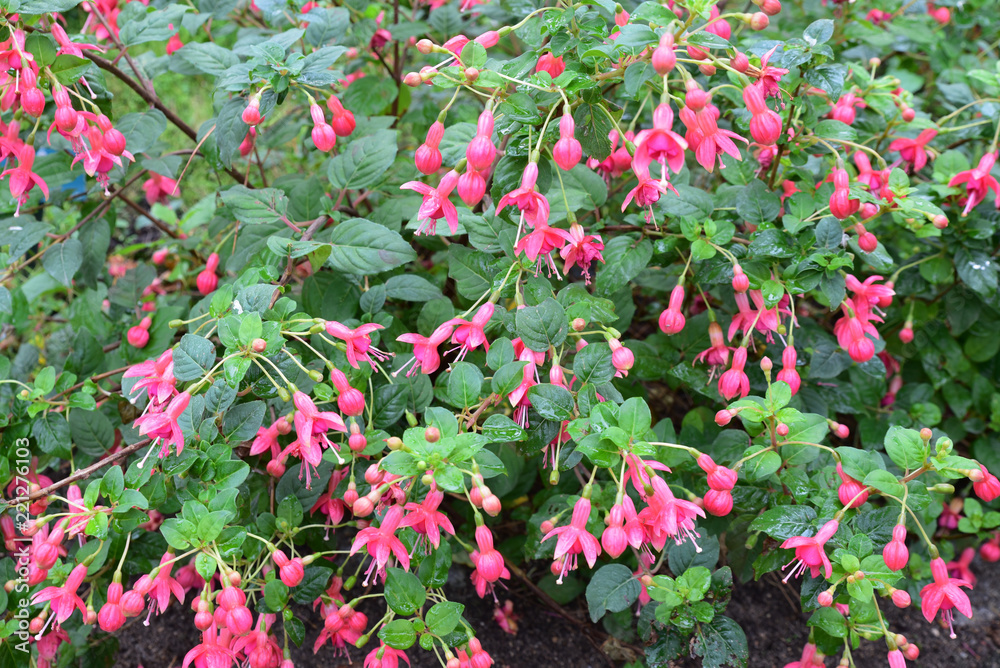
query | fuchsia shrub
(629,300)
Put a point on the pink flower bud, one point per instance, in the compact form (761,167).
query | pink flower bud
(740,62)
(471,187)
(275,468)
(866,240)
(363,507)
(239,620)
(906,334)
(138,337)
(770,7)
(718,502)
(160,255)
(33,101)
(553,65)
(782,429)
(723,417)
(622,359)
(207,281)
(901,599)
(251,114)
(825,599)
(664,59)
(481,152)
(990,552)
(323,136)
(292,572)
(695,98)
(759,21)
(492,505)
(741,282)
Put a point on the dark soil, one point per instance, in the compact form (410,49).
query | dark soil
(767,610)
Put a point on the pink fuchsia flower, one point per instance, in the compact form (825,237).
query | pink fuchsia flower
(959,568)
(768,77)
(469,334)
(807,659)
(159,188)
(436,204)
(539,243)
(358,342)
(533,206)
(789,374)
(156,376)
(717,354)
(850,492)
(841,204)
(978,182)
(568,151)
(22,178)
(551,64)
(844,109)
(735,381)
(382,544)
(581,249)
(647,193)
(895,554)
(988,488)
(489,561)
(210,653)
(637,472)
(660,144)
(519,395)
(944,595)
(428,156)
(715,142)
(311,427)
(162,426)
(868,294)
(426,519)
(425,350)
(164,585)
(669,517)
(385,657)
(720,478)
(810,552)
(64,599)
(574,539)
(914,151)
(672,320)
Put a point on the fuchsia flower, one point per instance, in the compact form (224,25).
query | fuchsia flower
(436,204)
(22,178)
(717,354)
(385,657)
(843,110)
(164,584)
(311,427)
(159,188)
(426,519)
(574,539)
(581,249)
(382,544)
(914,151)
(64,599)
(519,395)
(539,243)
(160,424)
(661,144)
(469,334)
(988,488)
(568,151)
(735,381)
(810,553)
(157,376)
(788,372)
(551,64)
(210,653)
(358,342)
(714,141)
(488,561)
(669,517)
(978,182)
(647,193)
(672,319)
(944,595)
(769,77)
(425,349)
(533,206)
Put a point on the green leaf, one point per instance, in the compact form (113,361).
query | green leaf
(193,357)
(721,643)
(905,447)
(398,634)
(364,162)
(242,421)
(62,261)
(784,522)
(612,588)
(91,432)
(113,483)
(830,621)
(757,204)
(403,592)
(256,207)
(818,32)
(552,402)
(501,429)
(360,247)
(542,326)
(443,617)
(835,130)
(275,595)
(208,57)
(634,417)
(465,384)
(411,288)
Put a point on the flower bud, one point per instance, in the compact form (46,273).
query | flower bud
(900,598)
(740,62)
(759,21)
